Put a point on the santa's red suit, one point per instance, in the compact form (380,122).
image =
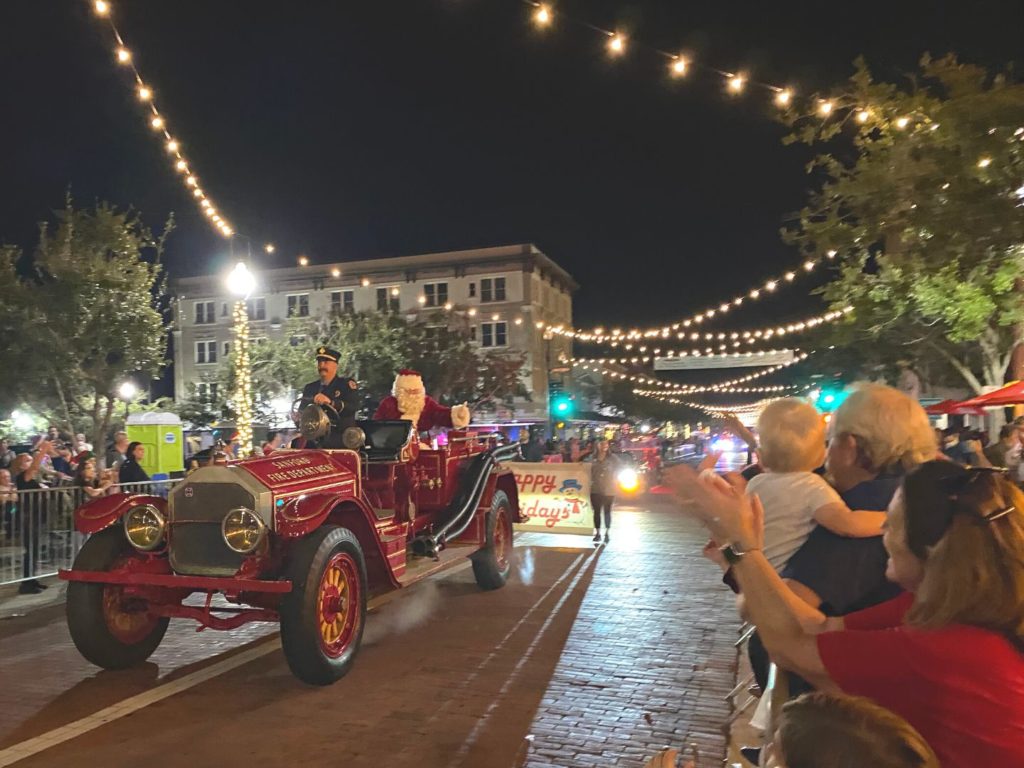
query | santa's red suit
(420,408)
(434,414)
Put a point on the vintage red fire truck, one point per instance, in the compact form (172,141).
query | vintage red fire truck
(300,537)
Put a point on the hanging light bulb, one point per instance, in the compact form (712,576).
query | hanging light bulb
(102,7)
(181,165)
(985,162)
(269,248)
(784,97)
(335,272)
(736,83)
(145,94)
(902,122)
(303,261)
(123,55)
(172,146)
(617,44)
(542,16)
(825,108)
(157,122)
(679,66)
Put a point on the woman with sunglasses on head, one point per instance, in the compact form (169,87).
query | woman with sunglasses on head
(948,655)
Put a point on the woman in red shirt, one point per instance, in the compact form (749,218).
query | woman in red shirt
(949,654)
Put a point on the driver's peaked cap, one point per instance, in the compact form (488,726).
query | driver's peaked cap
(326,353)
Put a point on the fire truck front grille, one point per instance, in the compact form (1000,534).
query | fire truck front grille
(196,545)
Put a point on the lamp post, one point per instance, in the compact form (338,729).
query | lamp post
(240,283)
(127,392)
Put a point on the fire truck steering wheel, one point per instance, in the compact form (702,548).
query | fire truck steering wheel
(315,420)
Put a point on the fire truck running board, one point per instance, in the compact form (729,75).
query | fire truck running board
(418,568)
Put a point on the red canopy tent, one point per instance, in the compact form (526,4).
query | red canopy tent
(953,408)
(1011,394)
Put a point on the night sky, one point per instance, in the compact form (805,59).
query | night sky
(351,130)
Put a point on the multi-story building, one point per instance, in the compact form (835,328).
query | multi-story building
(499,294)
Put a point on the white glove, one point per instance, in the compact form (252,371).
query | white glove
(460,416)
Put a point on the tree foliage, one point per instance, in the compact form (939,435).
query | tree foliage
(373,346)
(85,313)
(924,212)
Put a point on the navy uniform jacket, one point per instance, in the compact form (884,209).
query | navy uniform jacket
(344,394)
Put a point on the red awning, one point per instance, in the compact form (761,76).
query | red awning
(953,408)
(1011,394)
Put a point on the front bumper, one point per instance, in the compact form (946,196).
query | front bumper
(173,581)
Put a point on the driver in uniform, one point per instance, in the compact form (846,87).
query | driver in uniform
(340,392)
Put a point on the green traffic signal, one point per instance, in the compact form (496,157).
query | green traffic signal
(561,406)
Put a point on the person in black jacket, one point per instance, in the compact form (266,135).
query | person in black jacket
(131,471)
(339,392)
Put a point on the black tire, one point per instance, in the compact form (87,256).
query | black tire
(489,572)
(89,623)
(301,634)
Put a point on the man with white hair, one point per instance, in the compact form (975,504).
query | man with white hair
(409,401)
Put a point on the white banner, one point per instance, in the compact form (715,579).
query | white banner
(739,360)
(556,497)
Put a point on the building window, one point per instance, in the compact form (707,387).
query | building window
(436,294)
(257,340)
(207,392)
(257,309)
(296,341)
(298,305)
(227,348)
(492,289)
(472,290)
(494,334)
(206,352)
(472,333)
(388,299)
(206,312)
(342,301)
(224,309)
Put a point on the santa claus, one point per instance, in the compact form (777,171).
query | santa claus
(408,400)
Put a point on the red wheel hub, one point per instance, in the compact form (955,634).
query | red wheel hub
(502,538)
(338,604)
(127,618)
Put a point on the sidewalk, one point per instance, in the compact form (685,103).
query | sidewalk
(13,605)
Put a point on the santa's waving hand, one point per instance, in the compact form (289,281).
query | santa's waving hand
(409,400)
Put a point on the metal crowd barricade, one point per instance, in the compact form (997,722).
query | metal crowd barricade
(38,536)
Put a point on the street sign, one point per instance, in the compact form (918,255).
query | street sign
(739,360)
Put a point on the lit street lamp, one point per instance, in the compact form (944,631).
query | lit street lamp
(241,282)
(127,392)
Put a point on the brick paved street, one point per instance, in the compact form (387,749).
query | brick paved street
(586,658)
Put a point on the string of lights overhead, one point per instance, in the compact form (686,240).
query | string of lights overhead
(726,339)
(617,44)
(740,358)
(669,386)
(158,123)
(711,410)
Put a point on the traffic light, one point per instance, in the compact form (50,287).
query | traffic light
(560,404)
(830,397)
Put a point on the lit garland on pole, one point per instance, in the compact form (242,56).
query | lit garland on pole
(158,122)
(243,377)
(689,389)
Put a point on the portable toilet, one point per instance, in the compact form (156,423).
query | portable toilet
(160,434)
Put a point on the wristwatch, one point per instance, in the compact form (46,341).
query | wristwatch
(733,553)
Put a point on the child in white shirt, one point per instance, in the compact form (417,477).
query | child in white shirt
(792,445)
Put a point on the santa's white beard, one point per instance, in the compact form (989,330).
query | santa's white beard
(411,406)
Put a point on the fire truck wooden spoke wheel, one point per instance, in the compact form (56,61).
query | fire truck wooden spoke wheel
(339,604)
(322,618)
(492,563)
(110,629)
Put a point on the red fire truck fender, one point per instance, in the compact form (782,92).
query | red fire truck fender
(506,481)
(302,515)
(103,512)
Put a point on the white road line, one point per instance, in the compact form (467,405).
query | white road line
(33,746)
(499,699)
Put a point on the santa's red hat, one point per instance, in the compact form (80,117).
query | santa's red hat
(407,377)
(410,372)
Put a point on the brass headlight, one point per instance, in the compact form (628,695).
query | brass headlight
(353,438)
(145,526)
(243,530)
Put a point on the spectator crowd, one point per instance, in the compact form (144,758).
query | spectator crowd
(884,573)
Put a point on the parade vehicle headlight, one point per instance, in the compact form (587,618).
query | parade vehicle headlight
(243,530)
(353,438)
(628,479)
(144,527)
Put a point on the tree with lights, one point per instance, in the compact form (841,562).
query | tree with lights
(84,313)
(925,216)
